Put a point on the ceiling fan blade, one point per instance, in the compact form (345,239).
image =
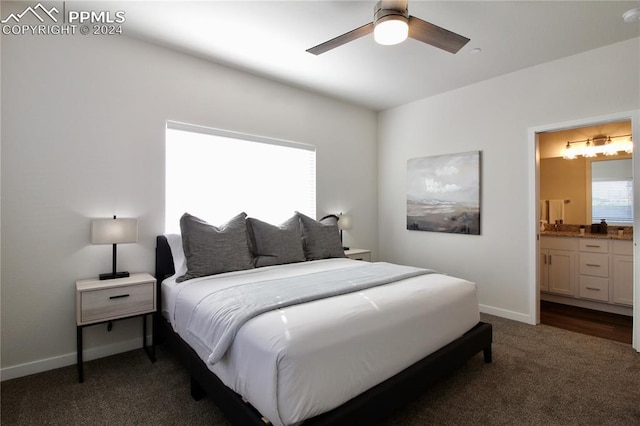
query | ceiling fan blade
(342,39)
(436,36)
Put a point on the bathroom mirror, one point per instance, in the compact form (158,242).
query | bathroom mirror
(592,188)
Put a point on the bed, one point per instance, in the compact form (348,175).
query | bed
(346,359)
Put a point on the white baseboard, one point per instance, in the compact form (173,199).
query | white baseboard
(503,313)
(47,364)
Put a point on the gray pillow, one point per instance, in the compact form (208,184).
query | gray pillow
(276,245)
(321,240)
(212,250)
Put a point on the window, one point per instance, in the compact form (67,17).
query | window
(216,174)
(612,191)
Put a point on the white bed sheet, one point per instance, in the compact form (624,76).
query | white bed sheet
(295,363)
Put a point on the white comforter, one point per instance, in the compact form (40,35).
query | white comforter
(295,363)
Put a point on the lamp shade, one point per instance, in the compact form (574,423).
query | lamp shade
(344,221)
(114,231)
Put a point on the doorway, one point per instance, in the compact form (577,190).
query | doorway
(599,128)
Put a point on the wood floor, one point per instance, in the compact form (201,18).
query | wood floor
(587,321)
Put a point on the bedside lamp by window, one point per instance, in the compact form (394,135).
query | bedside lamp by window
(344,222)
(114,231)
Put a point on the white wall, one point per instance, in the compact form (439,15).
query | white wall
(494,117)
(83,122)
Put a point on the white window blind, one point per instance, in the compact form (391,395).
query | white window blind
(215,174)
(612,191)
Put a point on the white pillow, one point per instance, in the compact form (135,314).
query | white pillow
(179,260)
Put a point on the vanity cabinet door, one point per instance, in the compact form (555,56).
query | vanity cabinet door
(623,279)
(544,270)
(561,277)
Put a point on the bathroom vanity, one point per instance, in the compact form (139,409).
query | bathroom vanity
(593,271)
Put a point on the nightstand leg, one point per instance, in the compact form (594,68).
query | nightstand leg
(79,349)
(150,350)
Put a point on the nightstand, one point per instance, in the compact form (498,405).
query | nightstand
(100,301)
(358,254)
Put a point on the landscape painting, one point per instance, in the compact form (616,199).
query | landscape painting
(443,193)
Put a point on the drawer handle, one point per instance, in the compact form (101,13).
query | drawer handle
(120,296)
(593,264)
(593,246)
(594,289)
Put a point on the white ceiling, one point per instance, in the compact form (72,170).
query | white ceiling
(269,38)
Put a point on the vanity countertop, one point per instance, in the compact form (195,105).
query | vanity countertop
(574,234)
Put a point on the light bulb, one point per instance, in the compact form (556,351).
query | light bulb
(610,148)
(589,150)
(628,146)
(569,152)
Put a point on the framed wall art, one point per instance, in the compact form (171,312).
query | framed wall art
(443,193)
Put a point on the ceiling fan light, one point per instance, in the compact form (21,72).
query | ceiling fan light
(391,30)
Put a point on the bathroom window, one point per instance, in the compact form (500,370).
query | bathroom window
(612,191)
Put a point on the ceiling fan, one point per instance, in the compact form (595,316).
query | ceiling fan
(392,24)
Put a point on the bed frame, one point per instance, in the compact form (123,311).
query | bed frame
(367,408)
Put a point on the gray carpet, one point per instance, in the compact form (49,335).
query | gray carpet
(539,376)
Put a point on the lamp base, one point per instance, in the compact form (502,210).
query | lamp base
(111,275)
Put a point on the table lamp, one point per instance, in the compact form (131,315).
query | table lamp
(114,231)
(344,222)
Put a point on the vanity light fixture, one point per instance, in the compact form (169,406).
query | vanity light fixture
(606,145)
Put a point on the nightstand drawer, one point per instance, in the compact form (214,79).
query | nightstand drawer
(116,302)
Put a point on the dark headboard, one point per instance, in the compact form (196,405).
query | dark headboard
(164,266)
(164,259)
